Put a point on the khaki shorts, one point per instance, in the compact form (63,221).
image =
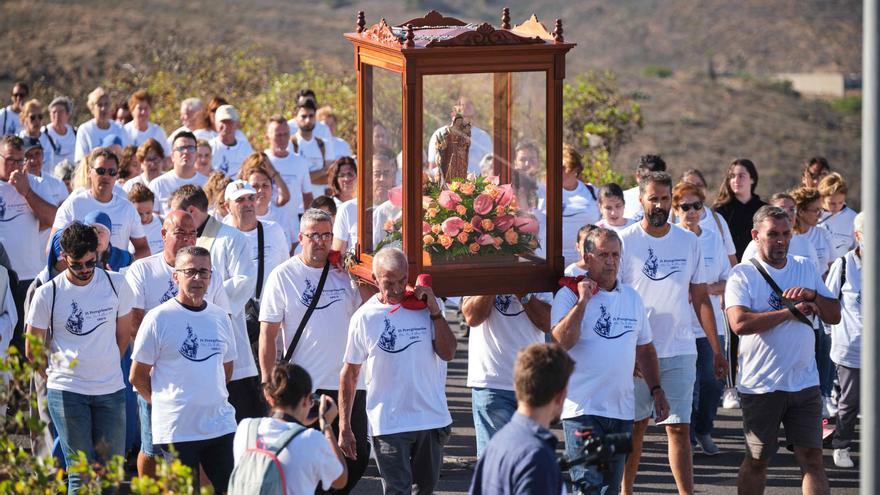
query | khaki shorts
(799,412)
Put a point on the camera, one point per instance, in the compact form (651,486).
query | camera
(598,450)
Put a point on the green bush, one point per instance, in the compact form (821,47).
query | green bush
(850,105)
(657,71)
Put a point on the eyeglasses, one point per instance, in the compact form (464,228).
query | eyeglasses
(19,95)
(183,234)
(106,171)
(184,149)
(152,159)
(74,265)
(696,205)
(18,162)
(36,117)
(193,272)
(315,236)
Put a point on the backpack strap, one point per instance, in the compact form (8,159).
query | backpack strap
(55,147)
(294,141)
(286,438)
(591,189)
(842,277)
(322,148)
(785,301)
(209,235)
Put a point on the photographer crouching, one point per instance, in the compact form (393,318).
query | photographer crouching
(521,456)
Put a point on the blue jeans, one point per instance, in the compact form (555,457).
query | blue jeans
(707,390)
(492,409)
(132,433)
(826,368)
(94,424)
(606,481)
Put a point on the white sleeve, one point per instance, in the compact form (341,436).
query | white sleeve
(355,350)
(81,149)
(305,186)
(646,335)
(146,343)
(38,312)
(750,252)
(725,234)
(736,293)
(832,280)
(699,274)
(231,351)
(64,214)
(340,225)
(124,294)
(135,281)
(564,300)
(721,260)
(329,467)
(273,301)
(242,281)
(134,220)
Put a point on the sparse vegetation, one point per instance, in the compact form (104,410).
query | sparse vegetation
(657,71)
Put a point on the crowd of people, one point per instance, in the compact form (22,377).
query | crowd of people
(192,299)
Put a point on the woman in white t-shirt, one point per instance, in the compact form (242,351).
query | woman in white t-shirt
(140,128)
(343,180)
(312,457)
(267,209)
(579,206)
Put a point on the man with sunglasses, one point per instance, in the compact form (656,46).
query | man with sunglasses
(23,214)
(183,158)
(289,290)
(182,361)
(103,170)
(84,314)
(152,283)
(9,116)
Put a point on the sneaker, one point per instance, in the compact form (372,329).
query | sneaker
(708,445)
(730,399)
(829,410)
(842,458)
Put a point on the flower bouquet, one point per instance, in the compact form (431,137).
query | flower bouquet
(476,216)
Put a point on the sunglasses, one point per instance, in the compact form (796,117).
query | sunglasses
(19,95)
(696,205)
(82,266)
(106,171)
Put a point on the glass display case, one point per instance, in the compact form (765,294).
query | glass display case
(459,150)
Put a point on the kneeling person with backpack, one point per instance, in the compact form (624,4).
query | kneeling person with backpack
(264,448)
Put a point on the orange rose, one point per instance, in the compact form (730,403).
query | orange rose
(491,190)
(460,209)
(474,248)
(436,228)
(389,225)
(497,241)
(511,237)
(500,210)
(462,237)
(445,240)
(428,239)
(466,188)
(467,227)
(431,212)
(487,224)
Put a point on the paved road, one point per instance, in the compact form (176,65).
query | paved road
(713,475)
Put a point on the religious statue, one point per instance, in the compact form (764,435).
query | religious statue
(453,145)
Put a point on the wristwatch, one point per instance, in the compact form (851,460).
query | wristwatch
(525,299)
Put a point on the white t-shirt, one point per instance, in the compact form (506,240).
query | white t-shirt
(840,226)
(10,121)
(578,209)
(824,244)
(321,129)
(20,230)
(614,324)
(138,179)
(340,148)
(632,207)
(708,222)
(784,357)
(187,349)
(309,151)
(345,224)
(151,283)
(294,169)
(63,145)
(573,270)
(306,461)
(493,344)
(661,271)
(846,336)
(288,293)
(53,191)
(155,131)
(605,225)
(89,136)
(717,267)
(481,145)
(798,246)
(48,150)
(276,250)
(153,231)
(405,377)
(84,355)
(228,159)
(166,184)
(123,216)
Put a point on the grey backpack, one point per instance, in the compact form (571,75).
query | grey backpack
(260,472)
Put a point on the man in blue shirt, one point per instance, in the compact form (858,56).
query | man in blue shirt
(521,457)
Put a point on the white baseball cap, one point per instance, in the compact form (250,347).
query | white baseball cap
(226,112)
(237,189)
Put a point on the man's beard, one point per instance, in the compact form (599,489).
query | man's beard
(308,127)
(658,217)
(83,276)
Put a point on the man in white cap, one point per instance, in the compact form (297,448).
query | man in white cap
(229,151)
(183,157)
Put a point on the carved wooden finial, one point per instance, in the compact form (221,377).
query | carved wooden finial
(557,33)
(410,37)
(505,18)
(361,22)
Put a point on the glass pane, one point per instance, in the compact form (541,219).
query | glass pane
(381,166)
(485,140)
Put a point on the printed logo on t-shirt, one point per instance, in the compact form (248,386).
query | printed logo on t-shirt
(224,165)
(331,295)
(18,211)
(502,304)
(190,347)
(170,293)
(604,325)
(389,339)
(76,320)
(653,265)
(774,301)
(859,299)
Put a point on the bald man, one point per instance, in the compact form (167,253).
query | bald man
(150,281)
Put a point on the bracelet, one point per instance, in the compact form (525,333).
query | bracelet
(438,316)
(655,387)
